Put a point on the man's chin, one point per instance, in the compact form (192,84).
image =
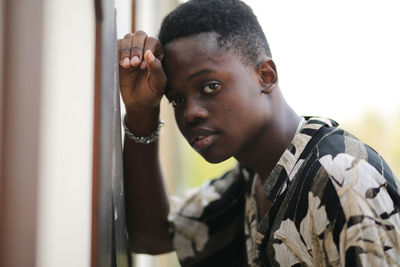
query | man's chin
(214,159)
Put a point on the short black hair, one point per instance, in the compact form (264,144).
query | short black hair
(234,22)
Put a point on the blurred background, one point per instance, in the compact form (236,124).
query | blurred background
(337,59)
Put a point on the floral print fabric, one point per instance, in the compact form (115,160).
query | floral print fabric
(335,203)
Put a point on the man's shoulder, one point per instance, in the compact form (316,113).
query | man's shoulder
(346,159)
(339,142)
(331,140)
(339,154)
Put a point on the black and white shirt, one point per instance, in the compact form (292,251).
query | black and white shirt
(335,203)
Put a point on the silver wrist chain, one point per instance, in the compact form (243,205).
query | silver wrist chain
(143,139)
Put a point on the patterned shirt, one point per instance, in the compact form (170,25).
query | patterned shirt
(335,202)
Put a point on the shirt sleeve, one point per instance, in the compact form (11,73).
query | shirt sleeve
(207,222)
(370,235)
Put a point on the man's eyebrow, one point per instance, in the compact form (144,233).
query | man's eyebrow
(200,72)
(191,76)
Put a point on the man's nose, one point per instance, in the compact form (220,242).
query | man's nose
(194,111)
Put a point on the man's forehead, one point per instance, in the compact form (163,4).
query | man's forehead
(206,41)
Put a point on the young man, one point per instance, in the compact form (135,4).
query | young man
(304,192)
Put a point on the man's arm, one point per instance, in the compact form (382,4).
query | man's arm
(142,83)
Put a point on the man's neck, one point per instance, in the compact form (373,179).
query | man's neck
(263,154)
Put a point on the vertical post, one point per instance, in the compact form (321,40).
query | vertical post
(102,248)
(21,90)
(96,114)
(109,235)
(2,39)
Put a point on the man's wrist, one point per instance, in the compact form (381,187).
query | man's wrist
(142,121)
(147,139)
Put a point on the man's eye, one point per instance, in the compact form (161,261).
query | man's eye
(211,87)
(175,102)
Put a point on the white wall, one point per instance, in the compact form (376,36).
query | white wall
(66,133)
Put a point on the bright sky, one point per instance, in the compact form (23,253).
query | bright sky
(335,58)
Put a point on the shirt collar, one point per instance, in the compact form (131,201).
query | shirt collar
(291,160)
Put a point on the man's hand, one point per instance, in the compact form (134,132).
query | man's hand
(142,79)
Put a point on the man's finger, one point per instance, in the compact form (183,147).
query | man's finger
(125,50)
(137,46)
(157,77)
(155,47)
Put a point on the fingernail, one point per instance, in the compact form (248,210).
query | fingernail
(135,60)
(150,55)
(125,62)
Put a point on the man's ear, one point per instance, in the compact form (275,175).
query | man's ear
(267,75)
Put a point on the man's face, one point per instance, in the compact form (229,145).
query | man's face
(218,104)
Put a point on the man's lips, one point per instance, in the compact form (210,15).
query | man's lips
(201,138)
